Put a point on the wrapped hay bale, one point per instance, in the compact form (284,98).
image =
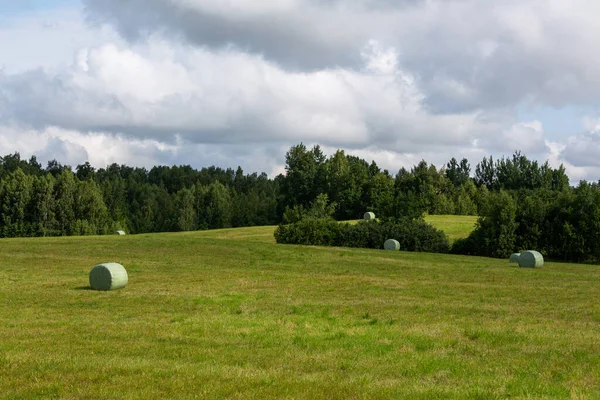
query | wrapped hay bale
(120,233)
(108,276)
(531,259)
(514,258)
(391,244)
(369,216)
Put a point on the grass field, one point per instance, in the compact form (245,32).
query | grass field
(230,314)
(455,226)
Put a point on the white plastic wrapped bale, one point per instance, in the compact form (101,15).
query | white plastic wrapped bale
(108,276)
(391,244)
(531,259)
(514,258)
(369,216)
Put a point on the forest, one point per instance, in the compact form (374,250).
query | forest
(520,203)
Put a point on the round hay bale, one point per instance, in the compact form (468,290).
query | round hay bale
(531,259)
(514,258)
(108,276)
(120,233)
(369,216)
(391,244)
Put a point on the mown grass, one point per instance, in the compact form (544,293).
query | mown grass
(455,226)
(230,314)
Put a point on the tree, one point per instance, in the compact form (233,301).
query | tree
(64,194)
(55,168)
(458,174)
(164,211)
(495,234)
(186,213)
(305,175)
(42,206)
(380,195)
(465,199)
(485,174)
(531,219)
(216,207)
(14,201)
(90,209)
(347,178)
(85,171)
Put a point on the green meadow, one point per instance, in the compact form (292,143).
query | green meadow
(230,314)
(455,226)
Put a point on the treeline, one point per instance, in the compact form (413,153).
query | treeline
(562,225)
(521,203)
(57,201)
(353,185)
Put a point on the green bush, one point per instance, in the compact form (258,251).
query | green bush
(413,235)
(495,233)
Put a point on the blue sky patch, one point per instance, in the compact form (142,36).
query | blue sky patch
(8,7)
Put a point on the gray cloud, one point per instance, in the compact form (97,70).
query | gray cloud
(42,100)
(207,82)
(162,91)
(467,54)
(583,150)
(291,36)
(64,151)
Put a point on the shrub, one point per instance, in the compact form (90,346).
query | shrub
(413,235)
(320,209)
(311,231)
(495,233)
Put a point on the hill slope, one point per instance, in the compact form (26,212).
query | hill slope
(230,314)
(455,226)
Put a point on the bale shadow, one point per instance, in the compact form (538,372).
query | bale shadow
(83,288)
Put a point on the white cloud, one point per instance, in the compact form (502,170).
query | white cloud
(489,54)
(160,89)
(101,149)
(238,82)
(527,137)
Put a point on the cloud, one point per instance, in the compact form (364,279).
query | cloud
(582,150)
(467,54)
(238,82)
(527,137)
(101,149)
(159,90)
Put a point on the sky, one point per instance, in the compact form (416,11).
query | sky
(237,82)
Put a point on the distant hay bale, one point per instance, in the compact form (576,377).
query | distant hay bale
(108,276)
(391,244)
(369,216)
(120,233)
(531,259)
(514,258)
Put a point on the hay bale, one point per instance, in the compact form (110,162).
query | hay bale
(531,259)
(120,233)
(514,258)
(391,244)
(369,216)
(108,276)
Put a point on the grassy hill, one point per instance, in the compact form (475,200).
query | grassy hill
(230,314)
(455,226)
